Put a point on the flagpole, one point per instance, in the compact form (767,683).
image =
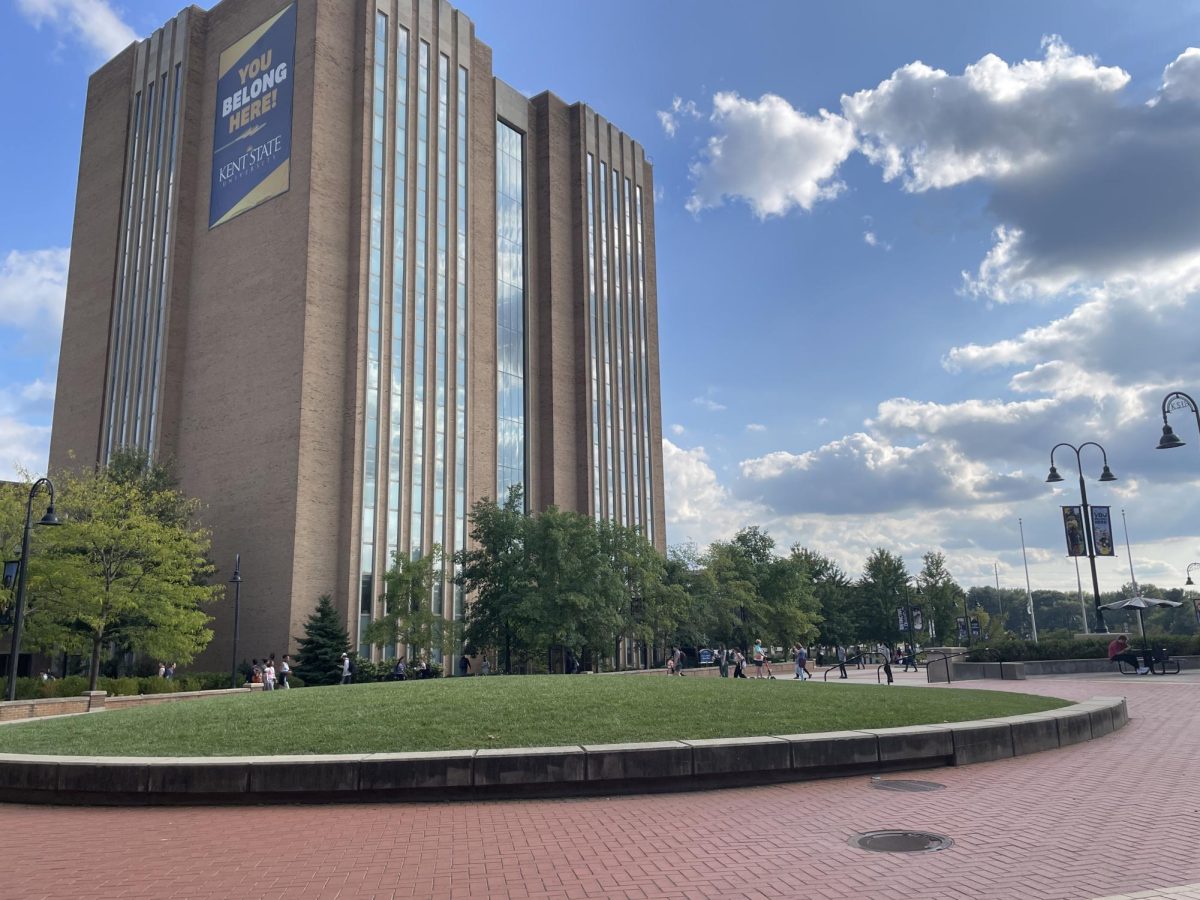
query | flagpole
(1132,577)
(1028,589)
(1082,605)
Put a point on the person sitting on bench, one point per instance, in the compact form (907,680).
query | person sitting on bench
(1119,652)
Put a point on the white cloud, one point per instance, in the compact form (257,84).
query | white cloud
(93,22)
(677,429)
(38,391)
(872,240)
(771,155)
(33,287)
(710,404)
(669,118)
(755,426)
(23,447)
(1181,79)
(934,130)
(698,507)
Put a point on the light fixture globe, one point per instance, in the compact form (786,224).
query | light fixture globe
(50,518)
(1053,477)
(1189,582)
(1169,440)
(1107,475)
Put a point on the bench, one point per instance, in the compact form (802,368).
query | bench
(1160,664)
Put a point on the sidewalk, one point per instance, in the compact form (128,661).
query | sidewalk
(1041,826)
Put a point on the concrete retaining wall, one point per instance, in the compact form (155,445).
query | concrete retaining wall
(93,701)
(969,671)
(546,771)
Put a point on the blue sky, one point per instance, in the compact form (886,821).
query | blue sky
(876,320)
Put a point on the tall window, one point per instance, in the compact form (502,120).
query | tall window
(419,296)
(374,305)
(618,303)
(594,316)
(460,338)
(440,332)
(648,452)
(634,369)
(510,309)
(396,355)
(607,327)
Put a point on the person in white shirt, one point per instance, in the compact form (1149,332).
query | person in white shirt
(269,676)
(346,675)
(285,668)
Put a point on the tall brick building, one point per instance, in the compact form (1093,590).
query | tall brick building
(350,283)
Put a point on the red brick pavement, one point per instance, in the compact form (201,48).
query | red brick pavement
(1042,826)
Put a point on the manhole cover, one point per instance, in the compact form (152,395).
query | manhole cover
(903,784)
(901,841)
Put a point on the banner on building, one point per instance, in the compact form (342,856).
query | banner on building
(1102,537)
(1073,524)
(252,135)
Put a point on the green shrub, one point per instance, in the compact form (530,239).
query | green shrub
(1093,648)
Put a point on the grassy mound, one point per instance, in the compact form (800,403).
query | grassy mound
(451,714)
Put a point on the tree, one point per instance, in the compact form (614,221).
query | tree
(880,592)
(941,597)
(319,660)
(408,616)
(834,593)
(120,572)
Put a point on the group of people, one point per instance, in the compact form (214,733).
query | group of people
(270,675)
(166,670)
(465,668)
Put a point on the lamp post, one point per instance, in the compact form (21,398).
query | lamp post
(236,581)
(22,577)
(1174,401)
(1105,475)
(1189,582)
(908,614)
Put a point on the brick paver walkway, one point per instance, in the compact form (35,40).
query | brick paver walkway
(1117,816)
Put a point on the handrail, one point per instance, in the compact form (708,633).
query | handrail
(838,665)
(946,656)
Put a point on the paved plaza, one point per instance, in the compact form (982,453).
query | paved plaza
(1114,817)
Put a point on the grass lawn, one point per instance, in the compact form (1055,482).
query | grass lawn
(517,711)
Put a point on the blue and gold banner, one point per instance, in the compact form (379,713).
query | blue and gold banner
(1076,536)
(252,136)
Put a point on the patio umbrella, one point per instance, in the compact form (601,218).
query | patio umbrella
(1140,603)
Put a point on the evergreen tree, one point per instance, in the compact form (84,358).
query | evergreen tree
(319,660)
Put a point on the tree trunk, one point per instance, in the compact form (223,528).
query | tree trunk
(94,669)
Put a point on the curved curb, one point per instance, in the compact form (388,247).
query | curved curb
(546,771)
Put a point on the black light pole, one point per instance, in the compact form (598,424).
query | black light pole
(236,581)
(908,608)
(22,576)
(1174,401)
(1105,475)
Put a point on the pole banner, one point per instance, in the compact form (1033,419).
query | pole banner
(902,618)
(252,133)
(918,620)
(1102,535)
(962,628)
(1073,524)
(1196,604)
(974,628)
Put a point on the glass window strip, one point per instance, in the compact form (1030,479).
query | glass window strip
(607,327)
(594,318)
(417,494)
(440,330)
(121,297)
(627,349)
(510,310)
(140,425)
(396,359)
(642,302)
(618,302)
(161,314)
(460,340)
(371,411)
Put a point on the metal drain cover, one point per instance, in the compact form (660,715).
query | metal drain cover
(901,841)
(903,784)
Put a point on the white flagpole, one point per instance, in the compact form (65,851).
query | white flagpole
(1028,589)
(1132,577)
(1082,605)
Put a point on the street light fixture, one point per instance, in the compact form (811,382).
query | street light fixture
(236,581)
(1189,582)
(1105,475)
(1174,401)
(22,577)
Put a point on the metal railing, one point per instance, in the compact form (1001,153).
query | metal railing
(838,665)
(946,656)
(886,668)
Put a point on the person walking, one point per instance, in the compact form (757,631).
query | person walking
(739,664)
(285,669)
(269,675)
(723,661)
(841,658)
(464,665)
(858,657)
(802,662)
(677,659)
(399,673)
(485,668)
(347,669)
